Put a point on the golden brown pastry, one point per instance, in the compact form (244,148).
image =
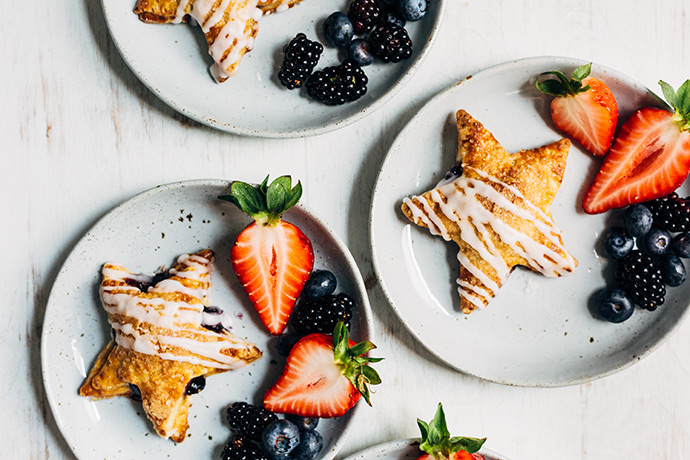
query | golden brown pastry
(497,211)
(230,26)
(277,6)
(164,337)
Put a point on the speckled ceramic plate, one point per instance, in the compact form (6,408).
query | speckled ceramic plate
(406,448)
(537,331)
(148,231)
(173,61)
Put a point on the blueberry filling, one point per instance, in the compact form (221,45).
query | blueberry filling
(144,286)
(211,323)
(136,392)
(196,385)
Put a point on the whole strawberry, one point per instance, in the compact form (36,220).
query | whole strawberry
(324,376)
(650,157)
(584,108)
(272,258)
(439,445)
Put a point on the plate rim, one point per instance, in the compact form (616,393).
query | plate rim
(489,71)
(284,134)
(358,282)
(385,446)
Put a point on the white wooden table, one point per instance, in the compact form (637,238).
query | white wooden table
(80,134)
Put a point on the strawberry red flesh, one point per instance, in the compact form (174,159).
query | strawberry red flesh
(583,108)
(589,118)
(324,376)
(273,264)
(650,158)
(272,258)
(312,385)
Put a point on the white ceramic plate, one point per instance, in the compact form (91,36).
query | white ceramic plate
(537,331)
(173,61)
(144,233)
(406,448)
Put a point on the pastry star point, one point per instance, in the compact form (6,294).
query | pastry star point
(497,211)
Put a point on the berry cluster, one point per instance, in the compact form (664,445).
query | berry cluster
(648,256)
(261,435)
(370,29)
(318,309)
(384,22)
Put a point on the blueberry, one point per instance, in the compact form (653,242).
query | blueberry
(412,10)
(613,306)
(638,220)
(673,270)
(287,341)
(359,50)
(309,447)
(393,18)
(280,438)
(303,423)
(681,245)
(338,29)
(656,242)
(195,385)
(320,284)
(617,243)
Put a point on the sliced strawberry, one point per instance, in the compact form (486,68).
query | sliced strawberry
(459,455)
(584,108)
(650,157)
(324,376)
(439,445)
(272,258)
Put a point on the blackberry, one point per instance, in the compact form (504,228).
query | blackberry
(321,315)
(249,420)
(641,279)
(243,450)
(337,85)
(301,56)
(670,212)
(390,43)
(365,14)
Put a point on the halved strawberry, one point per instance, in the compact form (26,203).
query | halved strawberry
(584,108)
(271,257)
(324,376)
(438,444)
(650,157)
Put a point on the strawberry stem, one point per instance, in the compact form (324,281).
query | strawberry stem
(562,86)
(436,439)
(352,362)
(265,203)
(680,102)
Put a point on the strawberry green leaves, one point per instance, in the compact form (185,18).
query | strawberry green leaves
(436,439)
(267,202)
(680,101)
(562,86)
(353,363)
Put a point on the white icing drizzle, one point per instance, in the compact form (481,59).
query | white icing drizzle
(233,37)
(178,323)
(476,222)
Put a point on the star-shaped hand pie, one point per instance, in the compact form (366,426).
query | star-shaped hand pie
(230,26)
(165,337)
(497,210)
